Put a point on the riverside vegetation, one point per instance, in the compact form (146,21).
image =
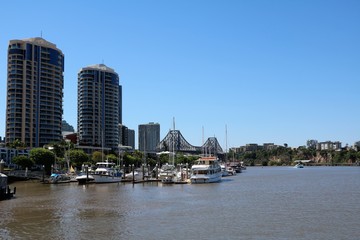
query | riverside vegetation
(65,155)
(286,156)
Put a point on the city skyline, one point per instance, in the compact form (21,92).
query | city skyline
(280,72)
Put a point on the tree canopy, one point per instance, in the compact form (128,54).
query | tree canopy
(44,157)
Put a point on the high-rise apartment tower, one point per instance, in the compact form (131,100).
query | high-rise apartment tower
(149,137)
(98,106)
(35,83)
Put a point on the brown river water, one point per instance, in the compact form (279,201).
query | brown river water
(260,203)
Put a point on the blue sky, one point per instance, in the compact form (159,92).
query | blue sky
(271,71)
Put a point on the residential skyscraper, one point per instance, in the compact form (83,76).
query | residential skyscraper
(35,83)
(126,136)
(98,106)
(149,136)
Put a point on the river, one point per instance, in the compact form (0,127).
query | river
(260,203)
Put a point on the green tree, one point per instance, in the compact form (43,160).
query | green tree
(351,156)
(23,161)
(129,159)
(78,157)
(112,158)
(164,158)
(43,157)
(97,156)
(17,144)
(135,158)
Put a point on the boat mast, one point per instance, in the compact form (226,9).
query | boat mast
(226,143)
(173,142)
(206,150)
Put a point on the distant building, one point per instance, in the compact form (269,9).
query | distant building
(126,136)
(70,136)
(311,143)
(269,146)
(328,145)
(252,147)
(35,83)
(131,138)
(67,127)
(149,136)
(98,107)
(7,154)
(357,145)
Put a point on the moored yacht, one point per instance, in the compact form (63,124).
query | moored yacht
(167,171)
(106,172)
(206,170)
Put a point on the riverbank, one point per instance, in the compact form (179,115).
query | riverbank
(22,175)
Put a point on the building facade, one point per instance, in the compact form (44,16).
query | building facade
(311,143)
(126,137)
(35,84)
(328,145)
(98,107)
(131,138)
(149,137)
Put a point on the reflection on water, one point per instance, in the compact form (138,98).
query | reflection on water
(261,203)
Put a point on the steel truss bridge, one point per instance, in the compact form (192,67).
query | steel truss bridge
(175,142)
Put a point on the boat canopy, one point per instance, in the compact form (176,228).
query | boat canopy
(303,161)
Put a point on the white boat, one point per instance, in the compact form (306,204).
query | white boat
(133,175)
(167,171)
(168,180)
(299,165)
(106,172)
(231,171)
(224,171)
(206,170)
(84,178)
(85,175)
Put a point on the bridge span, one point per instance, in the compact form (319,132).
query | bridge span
(174,141)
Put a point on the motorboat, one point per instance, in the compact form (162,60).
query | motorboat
(85,178)
(224,171)
(238,169)
(106,172)
(227,170)
(167,171)
(168,180)
(206,170)
(133,175)
(56,178)
(231,171)
(299,165)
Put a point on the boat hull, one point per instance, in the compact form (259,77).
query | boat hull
(206,170)
(199,178)
(299,166)
(56,178)
(106,179)
(168,180)
(84,179)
